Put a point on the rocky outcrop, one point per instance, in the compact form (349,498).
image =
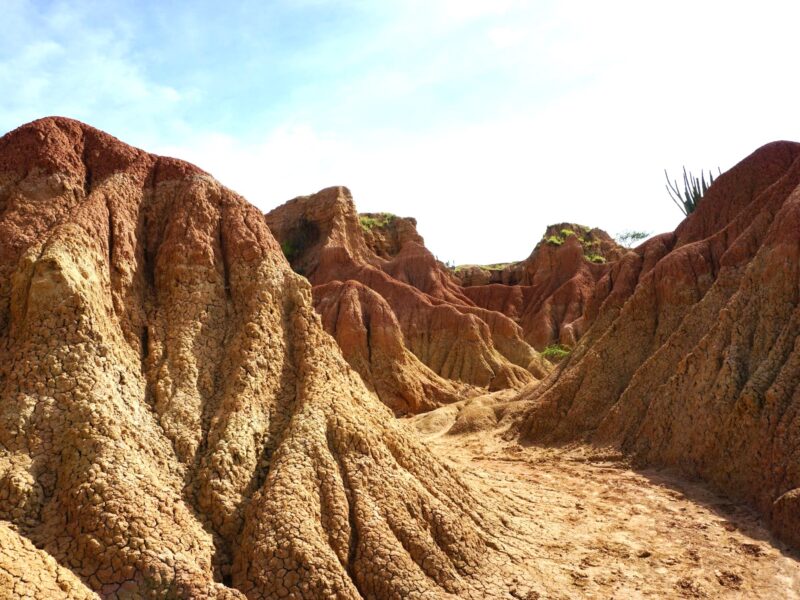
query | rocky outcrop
(692,360)
(548,293)
(386,234)
(437,323)
(174,421)
(475,275)
(367,331)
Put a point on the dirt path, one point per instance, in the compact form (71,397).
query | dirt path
(590,527)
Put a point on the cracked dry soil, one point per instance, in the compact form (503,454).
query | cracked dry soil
(589,526)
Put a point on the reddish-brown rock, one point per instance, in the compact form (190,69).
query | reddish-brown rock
(174,421)
(547,294)
(386,234)
(367,331)
(692,360)
(438,325)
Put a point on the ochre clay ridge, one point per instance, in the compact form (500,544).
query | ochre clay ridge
(174,421)
(547,294)
(386,299)
(693,361)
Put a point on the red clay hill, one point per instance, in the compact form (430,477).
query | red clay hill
(692,359)
(547,293)
(388,301)
(449,333)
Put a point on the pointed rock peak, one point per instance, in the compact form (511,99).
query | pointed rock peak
(307,226)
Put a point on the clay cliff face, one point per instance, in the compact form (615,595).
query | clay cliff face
(548,293)
(367,331)
(392,300)
(174,421)
(692,361)
(386,234)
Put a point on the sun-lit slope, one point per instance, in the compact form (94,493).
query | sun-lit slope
(174,421)
(693,359)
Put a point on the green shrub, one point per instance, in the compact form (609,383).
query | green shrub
(290,250)
(555,353)
(554,240)
(371,221)
(565,233)
(596,258)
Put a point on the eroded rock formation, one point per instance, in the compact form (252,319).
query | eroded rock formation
(174,421)
(369,289)
(386,234)
(693,360)
(548,293)
(367,331)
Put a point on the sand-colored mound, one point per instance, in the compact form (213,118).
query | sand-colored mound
(692,361)
(174,421)
(325,240)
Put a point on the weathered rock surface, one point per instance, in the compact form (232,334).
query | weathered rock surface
(174,421)
(460,345)
(548,293)
(26,572)
(386,234)
(693,360)
(368,333)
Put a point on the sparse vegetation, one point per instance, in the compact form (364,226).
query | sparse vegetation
(493,267)
(290,250)
(561,237)
(630,237)
(556,353)
(370,221)
(694,188)
(591,247)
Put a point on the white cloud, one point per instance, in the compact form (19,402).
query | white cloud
(467,10)
(506,37)
(601,98)
(480,194)
(87,72)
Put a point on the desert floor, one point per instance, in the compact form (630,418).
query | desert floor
(585,525)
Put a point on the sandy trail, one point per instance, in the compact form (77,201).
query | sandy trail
(585,525)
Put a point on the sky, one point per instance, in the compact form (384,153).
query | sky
(486,120)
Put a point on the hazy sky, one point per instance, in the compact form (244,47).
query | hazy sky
(484,119)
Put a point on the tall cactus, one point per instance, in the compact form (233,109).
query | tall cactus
(694,188)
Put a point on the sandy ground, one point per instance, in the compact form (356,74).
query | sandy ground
(584,525)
